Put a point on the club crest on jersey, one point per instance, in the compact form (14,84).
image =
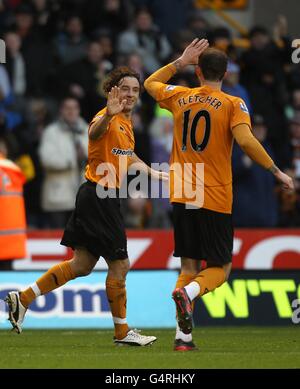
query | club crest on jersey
(244,107)
(170,87)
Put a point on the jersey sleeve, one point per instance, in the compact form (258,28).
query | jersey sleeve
(98,115)
(167,93)
(240,114)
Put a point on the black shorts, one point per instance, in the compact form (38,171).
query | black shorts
(96,224)
(202,234)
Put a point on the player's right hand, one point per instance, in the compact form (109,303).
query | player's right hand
(191,54)
(114,105)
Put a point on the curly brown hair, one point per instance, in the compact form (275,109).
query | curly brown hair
(115,76)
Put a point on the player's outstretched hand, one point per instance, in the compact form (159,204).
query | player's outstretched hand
(114,105)
(192,52)
(286,180)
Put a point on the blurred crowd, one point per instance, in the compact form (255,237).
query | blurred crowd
(57,55)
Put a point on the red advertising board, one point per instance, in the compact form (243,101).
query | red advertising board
(153,249)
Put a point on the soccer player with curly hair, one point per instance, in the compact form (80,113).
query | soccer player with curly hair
(96,227)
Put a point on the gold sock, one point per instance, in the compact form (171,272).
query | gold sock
(116,294)
(209,279)
(26,297)
(184,279)
(55,277)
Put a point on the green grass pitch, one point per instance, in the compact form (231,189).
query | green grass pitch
(219,347)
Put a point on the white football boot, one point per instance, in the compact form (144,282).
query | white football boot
(134,338)
(16,311)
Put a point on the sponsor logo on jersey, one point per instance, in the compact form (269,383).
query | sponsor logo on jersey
(117,151)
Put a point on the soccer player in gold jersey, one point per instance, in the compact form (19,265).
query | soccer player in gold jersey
(206,122)
(96,227)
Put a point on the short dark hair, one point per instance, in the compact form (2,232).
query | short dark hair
(258,30)
(213,63)
(115,76)
(68,97)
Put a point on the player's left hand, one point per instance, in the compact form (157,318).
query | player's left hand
(191,54)
(286,181)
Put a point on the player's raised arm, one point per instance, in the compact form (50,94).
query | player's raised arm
(252,147)
(114,106)
(190,56)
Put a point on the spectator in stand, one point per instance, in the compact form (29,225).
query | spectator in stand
(135,62)
(46,16)
(25,25)
(106,41)
(71,43)
(295,143)
(5,87)
(255,202)
(263,51)
(180,41)
(141,213)
(63,153)
(161,132)
(83,80)
(42,12)
(290,201)
(10,120)
(146,104)
(146,39)
(221,38)
(37,53)
(294,108)
(169,15)
(6,16)
(293,76)
(113,15)
(290,210)
(38,117)
(15,65)
(289,204)
(232,86)
(141,136)
(284,42)
(269,98)
(198,25)
(262,74)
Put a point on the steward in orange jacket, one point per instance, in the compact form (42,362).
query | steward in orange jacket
(12,212)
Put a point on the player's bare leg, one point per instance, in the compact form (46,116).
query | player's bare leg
(80,265)
(116,294)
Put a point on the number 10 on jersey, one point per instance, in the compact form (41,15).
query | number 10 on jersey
(190,126)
